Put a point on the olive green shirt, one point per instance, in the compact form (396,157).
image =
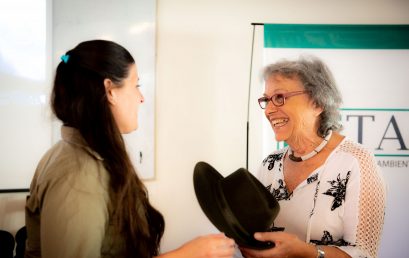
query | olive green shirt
(67,212)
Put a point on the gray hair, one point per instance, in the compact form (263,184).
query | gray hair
(319,84)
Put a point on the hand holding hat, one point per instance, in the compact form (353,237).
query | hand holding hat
(238,205)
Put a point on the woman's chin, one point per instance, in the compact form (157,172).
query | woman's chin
(129,130)
(280,139)
(279,136)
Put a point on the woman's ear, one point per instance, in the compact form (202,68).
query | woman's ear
(317,109)
(110,91)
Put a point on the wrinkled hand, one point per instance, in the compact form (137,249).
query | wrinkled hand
(286,245)
(209,246)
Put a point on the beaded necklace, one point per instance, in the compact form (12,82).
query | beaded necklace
(312,153)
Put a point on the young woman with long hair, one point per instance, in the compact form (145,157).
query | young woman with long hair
(86,199)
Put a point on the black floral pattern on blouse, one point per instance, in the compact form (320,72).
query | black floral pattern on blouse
(281,192)
(312,178)
(271,159)
(338,190)
(315,197)
(327,239)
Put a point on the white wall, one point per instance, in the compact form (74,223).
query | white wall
(202,74)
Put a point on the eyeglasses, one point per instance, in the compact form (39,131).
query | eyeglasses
(278,99)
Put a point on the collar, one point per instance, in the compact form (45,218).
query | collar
(73,136)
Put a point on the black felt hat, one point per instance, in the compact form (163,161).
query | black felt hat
(238,205)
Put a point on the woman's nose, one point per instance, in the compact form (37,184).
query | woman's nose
(270,108)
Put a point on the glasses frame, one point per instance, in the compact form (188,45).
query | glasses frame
(284,96)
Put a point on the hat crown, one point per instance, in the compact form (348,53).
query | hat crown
(249,201)
(238,205)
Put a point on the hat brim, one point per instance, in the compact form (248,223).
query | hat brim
(207,182)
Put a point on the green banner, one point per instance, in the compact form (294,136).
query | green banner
(336,36)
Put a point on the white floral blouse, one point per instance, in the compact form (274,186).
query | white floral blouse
(341,203)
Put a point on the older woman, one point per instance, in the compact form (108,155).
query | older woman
(331,192)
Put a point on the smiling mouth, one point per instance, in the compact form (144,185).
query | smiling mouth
(279,122)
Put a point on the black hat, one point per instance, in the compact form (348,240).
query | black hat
(238,205)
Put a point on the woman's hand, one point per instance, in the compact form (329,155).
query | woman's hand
(209,246)
(286,245)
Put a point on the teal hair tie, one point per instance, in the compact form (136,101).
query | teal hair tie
(65,58)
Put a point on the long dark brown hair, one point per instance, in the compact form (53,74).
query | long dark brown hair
(79,100)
